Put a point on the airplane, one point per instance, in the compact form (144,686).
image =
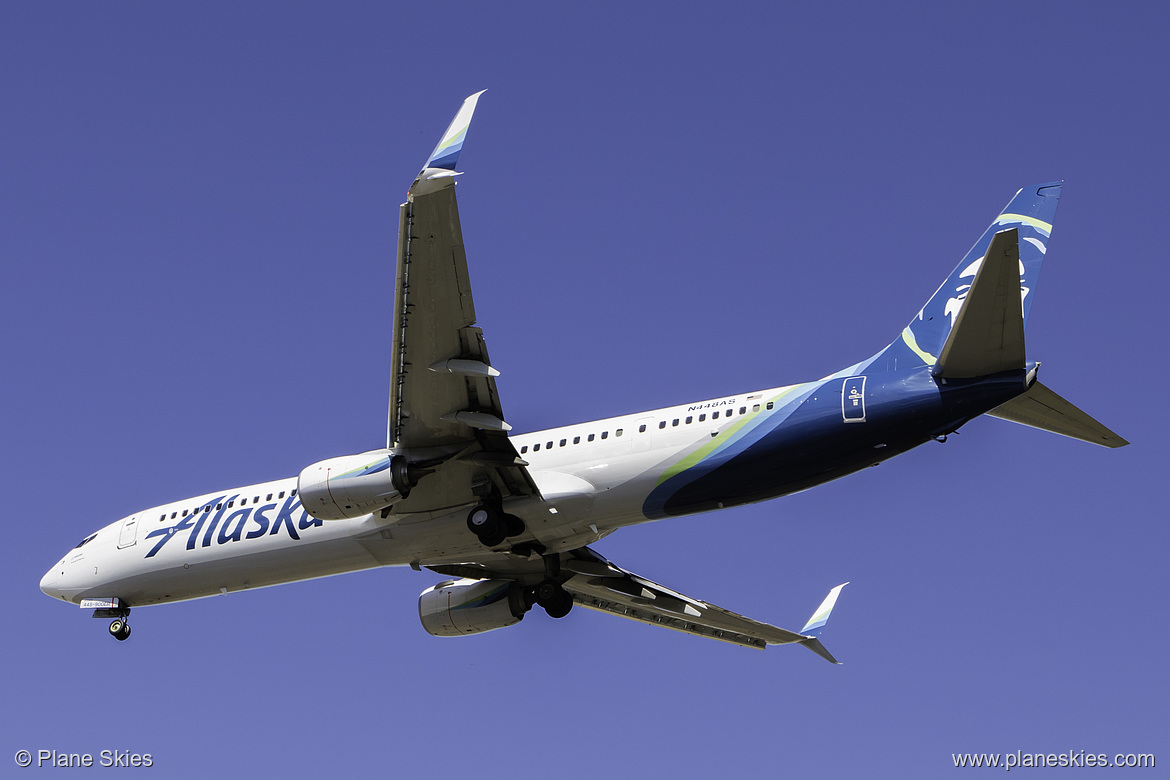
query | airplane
(508,518)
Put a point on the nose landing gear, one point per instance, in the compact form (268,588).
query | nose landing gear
(119,629)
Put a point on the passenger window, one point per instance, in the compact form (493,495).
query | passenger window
(524,449)
(592,436)
(662,424)
(743,410)
(618,432)
(293,493)
(769,407)
(642,428)
(173,515)
(576,439)
(220,505)
(281,494)
(548,446)
(269,497)
(755,407)
(605,434)
(714,415)
(674,423)
(184,513)
(702,417)
(690,420)
(536,447)
(564,442)
(256,499)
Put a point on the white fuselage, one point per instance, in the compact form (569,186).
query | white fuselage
(593,478)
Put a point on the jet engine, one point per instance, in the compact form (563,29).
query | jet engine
(455,608)
(355,485)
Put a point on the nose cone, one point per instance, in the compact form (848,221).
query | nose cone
(49,584)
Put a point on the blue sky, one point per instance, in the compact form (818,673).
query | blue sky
(197,226)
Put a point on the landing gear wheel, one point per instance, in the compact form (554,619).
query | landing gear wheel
(555,600)
(120,630)
(488,524)
(514,525)
(563,607)
(548,593)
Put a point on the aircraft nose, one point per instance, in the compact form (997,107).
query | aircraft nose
(49,583)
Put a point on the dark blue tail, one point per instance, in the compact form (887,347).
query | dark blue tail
(1031,212)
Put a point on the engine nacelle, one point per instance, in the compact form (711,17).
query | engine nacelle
(455,608)
(355,485)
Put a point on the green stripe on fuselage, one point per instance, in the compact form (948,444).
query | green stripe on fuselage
(724,438)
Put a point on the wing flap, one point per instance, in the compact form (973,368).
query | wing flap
(434,318)
(647,614)
(628,595)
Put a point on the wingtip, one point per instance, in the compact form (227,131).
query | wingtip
(821,616)
(446,152)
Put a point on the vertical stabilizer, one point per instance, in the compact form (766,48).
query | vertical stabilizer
(988,334)
(1030,213)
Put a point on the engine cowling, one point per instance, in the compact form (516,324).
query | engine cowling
(354,485)
(459,607)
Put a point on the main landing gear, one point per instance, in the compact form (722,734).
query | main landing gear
(555,600)
(550,594)
(493,525)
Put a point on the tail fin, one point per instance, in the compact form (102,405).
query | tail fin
(1029,216)
(973,326)
(988,334)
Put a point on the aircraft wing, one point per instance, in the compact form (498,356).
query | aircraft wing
(598,584)
(443,394)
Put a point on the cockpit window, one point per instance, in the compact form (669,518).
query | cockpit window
(85,541)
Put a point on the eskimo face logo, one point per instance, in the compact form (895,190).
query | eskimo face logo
(955,303)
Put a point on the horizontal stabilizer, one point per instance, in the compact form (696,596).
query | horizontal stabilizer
(1041,408)
(815,645)
(988,334)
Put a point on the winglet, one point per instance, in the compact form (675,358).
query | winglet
(440,167)
(446,153)
(817,622)
(812,629)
